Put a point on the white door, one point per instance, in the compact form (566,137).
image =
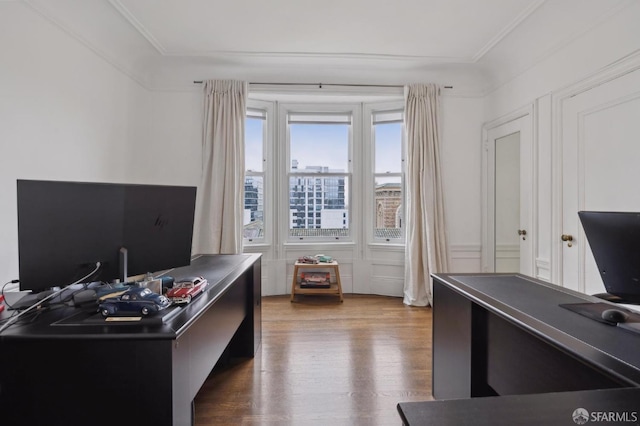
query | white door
(507,245)
(600,137)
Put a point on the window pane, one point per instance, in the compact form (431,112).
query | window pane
(319,148)
(388,208)
(253,136)
(388,147)
(313,215)
(253,221)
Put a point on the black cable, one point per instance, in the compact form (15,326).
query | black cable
(88,278)
(69,296)
(53,295)
(2,291)
(15,312)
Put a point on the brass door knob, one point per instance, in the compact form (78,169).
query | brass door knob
(522,232)
(568,238)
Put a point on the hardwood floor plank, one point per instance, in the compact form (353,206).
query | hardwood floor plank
(323,362)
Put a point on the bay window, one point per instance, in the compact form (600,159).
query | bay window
(316,174)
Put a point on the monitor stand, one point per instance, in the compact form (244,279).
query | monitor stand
(124,264)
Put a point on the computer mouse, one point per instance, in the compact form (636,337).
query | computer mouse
(614,315)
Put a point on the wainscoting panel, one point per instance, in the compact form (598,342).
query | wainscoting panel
(507,258)
(465,258)
(382,273)
(543,269)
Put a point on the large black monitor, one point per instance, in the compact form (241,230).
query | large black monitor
(614,238)
(64,228)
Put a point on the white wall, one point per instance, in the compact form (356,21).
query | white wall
(170,151)
(66,114)
(605,44)
(461,169)
(595,56)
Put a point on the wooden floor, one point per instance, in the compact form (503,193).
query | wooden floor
(323,362)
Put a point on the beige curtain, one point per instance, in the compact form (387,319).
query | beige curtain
(426,246)
(220,201)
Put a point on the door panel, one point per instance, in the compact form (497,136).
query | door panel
(507,203)
(600,168)
(509,233)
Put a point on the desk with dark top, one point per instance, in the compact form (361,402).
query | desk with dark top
(502,346)
(55,372)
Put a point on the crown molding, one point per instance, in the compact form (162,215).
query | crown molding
(83,41)
(507,30)
(558,47)
(322,56)
(130,17)
(162,50)
(387,62)
(250,55)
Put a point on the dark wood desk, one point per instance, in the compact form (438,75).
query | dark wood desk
(502,334)
(543,409)
(55,372)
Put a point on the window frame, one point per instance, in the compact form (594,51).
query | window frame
(268,109)
(370,110)
(285,172)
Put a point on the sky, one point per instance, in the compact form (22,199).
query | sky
(326,145)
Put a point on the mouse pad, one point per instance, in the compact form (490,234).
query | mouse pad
(594,311)
(86,317)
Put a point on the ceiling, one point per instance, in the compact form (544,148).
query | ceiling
(404,29)
(473,44)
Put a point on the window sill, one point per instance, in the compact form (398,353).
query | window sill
(260,245)
(387,246)
(318,242)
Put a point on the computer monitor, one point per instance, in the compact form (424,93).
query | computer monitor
(614,238)
(158,227)
(64,228)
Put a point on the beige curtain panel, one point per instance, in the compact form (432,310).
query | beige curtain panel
(220,204)
(426,243)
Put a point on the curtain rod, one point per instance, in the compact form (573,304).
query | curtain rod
(320,85)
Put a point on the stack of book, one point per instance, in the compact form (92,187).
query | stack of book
(315,280)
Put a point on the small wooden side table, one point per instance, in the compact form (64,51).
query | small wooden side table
(334,288)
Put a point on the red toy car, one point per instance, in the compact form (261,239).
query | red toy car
(186,289)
